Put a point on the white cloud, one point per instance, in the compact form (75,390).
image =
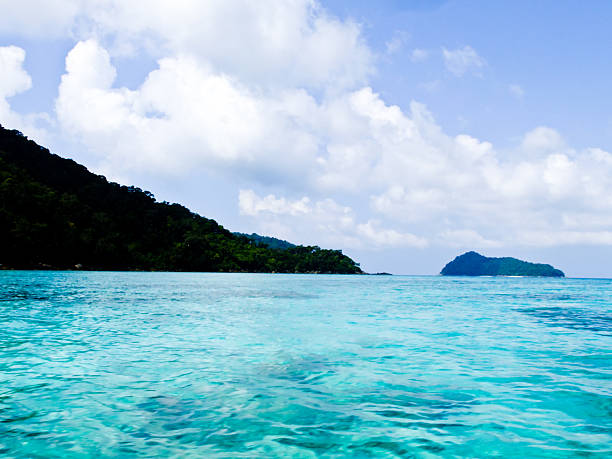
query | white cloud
(283,104)
(251,204)
(397,42)
(419,55)
(184,115)
(16,80)
(461,60)
(268,42)
(414,173)
(380,237)
(517,91)
(543,139)
(430,86)
(40,18)
(466,238)
(322,222)
(417,179)
(557,238)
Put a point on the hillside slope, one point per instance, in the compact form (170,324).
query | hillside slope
(271,242)
(55,213)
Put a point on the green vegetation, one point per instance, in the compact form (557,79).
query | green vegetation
(55,213)
(474,264)
(267,241)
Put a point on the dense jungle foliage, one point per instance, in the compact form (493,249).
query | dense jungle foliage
(54,213)
(271,242)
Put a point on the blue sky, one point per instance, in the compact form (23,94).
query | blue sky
(403,132)
(558,52)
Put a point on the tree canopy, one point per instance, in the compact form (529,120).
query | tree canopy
(271,242)
(475,264)
(55,213)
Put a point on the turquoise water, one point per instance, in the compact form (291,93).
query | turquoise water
(254,365)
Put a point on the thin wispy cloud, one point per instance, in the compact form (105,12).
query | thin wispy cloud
(419,55)
(397,42)
(517,91)
(462,60)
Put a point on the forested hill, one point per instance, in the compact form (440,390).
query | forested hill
(54,213)
(474,264)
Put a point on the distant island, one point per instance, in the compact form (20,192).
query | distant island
(55,214)
(475,264)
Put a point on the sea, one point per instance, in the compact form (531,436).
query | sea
(190,365)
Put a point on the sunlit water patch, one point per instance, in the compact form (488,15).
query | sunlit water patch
(241,365)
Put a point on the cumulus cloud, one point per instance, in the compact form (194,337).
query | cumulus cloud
(268,42)
(251,204)
(416,174)
(289,42)
(322,222)
(40,18)
(15,80)
(461,60)
(275,94)
(543,139)
(380,237)
(417,180)
(183,115)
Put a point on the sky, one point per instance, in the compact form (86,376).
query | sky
(402,132)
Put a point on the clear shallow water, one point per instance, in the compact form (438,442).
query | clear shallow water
(252,365)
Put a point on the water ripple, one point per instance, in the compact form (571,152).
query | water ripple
(213,365)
